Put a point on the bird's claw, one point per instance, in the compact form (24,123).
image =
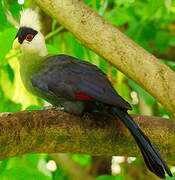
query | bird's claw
(53,107)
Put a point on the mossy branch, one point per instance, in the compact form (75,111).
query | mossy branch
(54,131)
(106,40)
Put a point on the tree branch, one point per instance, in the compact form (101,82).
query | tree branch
(53,131)
(106,40)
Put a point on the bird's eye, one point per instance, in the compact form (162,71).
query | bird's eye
(29,37)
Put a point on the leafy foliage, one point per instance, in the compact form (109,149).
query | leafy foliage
(149,23)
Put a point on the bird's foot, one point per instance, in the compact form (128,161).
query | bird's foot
(53,107)
(86,115)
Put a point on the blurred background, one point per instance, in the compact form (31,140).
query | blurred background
(150,23)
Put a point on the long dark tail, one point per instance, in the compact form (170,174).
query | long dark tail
(152,158)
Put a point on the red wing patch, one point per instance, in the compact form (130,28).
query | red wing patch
(82,96)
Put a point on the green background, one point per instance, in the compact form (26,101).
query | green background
(150,23)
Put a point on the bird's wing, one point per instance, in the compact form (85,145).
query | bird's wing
(72,78)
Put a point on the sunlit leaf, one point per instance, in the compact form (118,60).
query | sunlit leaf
(52,49)
(6,41)
(32,107)
(23,173)
(168,4)
(83,160)
(16,90)
(119,16)
(43,168)
(7,105)
(151,10)
(33,159)
(3,19)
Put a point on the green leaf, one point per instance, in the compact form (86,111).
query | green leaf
(168,5)
(6,41)
(149,30)
(119,17)
(33,160)
(108,177)
(123,2)
(86,1)
(3,18)
(162,112)
(83,160)
(33,107)
(134,31)
(161,41)
(172,41)
(171,64)
(77,49)
(105,177)
(7,68)
(152,9)
(3,164)
(141,33)
(103,65)
(59,174)
(52,49)
(15,9)
(145,95)
(42,167)
(98,4)
(23,173)
(7,105)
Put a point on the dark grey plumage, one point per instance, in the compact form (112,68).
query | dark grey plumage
(60,78)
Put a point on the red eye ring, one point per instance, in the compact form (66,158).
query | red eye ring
(29,37)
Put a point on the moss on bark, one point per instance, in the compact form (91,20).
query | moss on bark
(53,131)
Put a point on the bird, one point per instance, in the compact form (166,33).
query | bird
(76,85)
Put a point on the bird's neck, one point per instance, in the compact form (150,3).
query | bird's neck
(29,63)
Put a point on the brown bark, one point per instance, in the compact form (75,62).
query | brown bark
(53,131)
(106,40)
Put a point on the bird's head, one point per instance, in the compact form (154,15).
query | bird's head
(29,38)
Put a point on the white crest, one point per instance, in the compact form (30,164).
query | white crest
(30,18)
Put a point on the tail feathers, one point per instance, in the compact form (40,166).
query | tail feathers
(152,158)
(153,163)
(162,162)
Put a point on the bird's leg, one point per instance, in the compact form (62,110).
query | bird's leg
(53,107)
(74,107)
